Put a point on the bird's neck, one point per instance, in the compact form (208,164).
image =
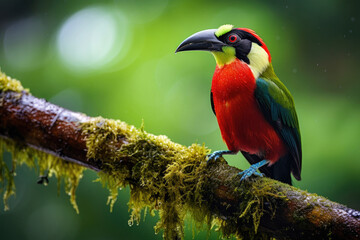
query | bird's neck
(269,73)
(259,60)
(233,79)
(225,57)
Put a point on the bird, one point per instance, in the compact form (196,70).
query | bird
(254,109)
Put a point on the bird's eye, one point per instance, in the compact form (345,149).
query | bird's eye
(233,38)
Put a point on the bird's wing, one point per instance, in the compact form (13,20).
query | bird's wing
(277,105)
(212,102)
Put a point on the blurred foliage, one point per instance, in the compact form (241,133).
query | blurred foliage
(116,59)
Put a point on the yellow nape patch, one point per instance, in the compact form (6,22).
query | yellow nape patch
(225,57)
(223,29)
(259,60)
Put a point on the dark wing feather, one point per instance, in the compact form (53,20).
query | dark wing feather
(212,102)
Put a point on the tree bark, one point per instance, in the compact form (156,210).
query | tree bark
(257,208)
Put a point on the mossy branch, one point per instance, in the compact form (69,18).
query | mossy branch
(163,176)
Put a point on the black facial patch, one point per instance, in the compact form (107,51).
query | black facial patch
(242,49)
(246,35)
(243,45)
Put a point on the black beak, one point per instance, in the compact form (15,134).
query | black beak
(203,40)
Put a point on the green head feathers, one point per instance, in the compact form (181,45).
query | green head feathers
(223,29)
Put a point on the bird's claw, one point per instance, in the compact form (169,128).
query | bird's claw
(215,155)
(249,172)
(252,170)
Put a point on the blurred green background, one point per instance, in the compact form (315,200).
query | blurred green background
(116,59)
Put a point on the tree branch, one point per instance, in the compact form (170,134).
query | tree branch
(172,178)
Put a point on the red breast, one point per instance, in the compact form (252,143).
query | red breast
(242,124)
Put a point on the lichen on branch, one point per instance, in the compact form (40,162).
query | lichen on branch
(69,173)
(176,180)
(162,175)
(9,84)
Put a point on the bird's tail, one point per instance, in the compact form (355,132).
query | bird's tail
(281,170)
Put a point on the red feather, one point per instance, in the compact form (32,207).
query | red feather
(243,127)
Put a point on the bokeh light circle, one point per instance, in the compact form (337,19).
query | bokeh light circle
(91,37)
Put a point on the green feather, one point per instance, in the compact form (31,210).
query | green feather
(277,90)
(223,29)
(277,105)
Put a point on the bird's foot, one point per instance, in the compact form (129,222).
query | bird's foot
(252,170)
(215,155)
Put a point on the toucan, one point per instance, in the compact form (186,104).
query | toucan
(255,111)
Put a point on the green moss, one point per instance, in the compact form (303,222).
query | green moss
(163,176)
(6,179)
(9,84)
(157,170)
(169,178)
(253,194)
(259,192)
(70,173)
